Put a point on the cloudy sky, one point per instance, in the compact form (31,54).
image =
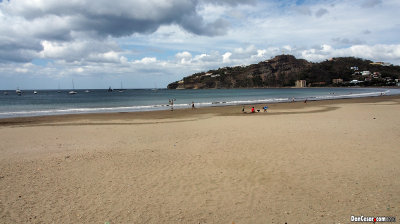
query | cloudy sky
(150,43)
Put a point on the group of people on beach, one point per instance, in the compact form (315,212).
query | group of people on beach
(253,110)
(171,104)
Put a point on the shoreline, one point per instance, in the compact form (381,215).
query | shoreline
(329,94)
(227,110)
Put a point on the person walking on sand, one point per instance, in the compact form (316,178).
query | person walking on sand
(192,105)
(242,109)
(252,110)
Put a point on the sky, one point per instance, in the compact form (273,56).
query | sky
(47,44)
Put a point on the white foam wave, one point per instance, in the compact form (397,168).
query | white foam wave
(83,110)
(353,95)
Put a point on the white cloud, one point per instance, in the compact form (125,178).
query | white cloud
(146,60)
(110,57)
(389,53)
(226,57)
(21,70)
(81,50)
(79,70)
(201,57)
(261,53)
(184,57)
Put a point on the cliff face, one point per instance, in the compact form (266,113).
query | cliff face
(281,71)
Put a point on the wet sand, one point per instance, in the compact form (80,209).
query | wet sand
(319,162)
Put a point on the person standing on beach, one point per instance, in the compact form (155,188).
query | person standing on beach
(252,110)
(192,105)
(171,103)
(242,109)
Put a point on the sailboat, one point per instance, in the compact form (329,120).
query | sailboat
(122,89)
(19,92)
(155,87)
(73,89)
(109,89)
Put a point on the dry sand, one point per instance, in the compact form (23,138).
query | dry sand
(319,162)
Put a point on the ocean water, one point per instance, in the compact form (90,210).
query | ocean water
(50,102)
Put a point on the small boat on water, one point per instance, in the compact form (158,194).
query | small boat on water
(121,90)
(155,88)
(35,92)
(109,89)
(19,92)
(87,91)
(72,92)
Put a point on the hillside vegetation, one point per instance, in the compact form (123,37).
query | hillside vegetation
(284,70)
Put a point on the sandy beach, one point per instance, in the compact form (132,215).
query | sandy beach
(314,162)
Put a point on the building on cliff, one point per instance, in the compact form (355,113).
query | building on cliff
(337,81)
(301,83)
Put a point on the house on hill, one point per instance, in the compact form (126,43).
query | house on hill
(337,81)
(301,83)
